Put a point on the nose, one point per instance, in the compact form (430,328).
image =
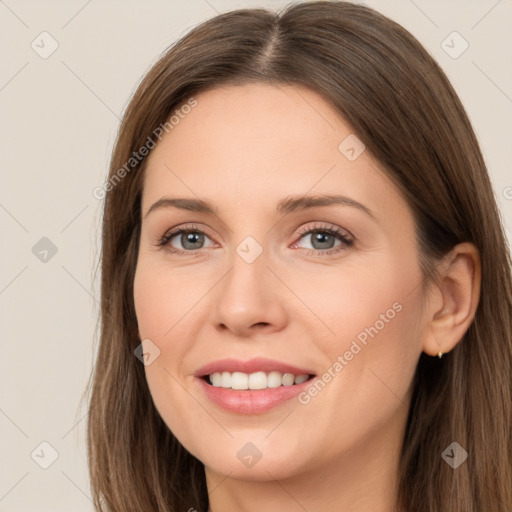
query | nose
(250,299)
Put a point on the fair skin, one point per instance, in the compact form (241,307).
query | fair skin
(243,149)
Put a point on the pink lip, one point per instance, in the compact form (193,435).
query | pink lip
(259,364)
(250,401)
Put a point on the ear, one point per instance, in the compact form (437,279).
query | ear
(453,300)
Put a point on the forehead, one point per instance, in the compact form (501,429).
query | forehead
(268,117)
(257,143)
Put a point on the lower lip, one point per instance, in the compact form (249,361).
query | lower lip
(252,401)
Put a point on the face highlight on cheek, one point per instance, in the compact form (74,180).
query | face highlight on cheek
(255,351)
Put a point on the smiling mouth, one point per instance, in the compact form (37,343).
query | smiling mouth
(254,381)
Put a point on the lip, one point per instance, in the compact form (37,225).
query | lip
(251,401)
(259,364)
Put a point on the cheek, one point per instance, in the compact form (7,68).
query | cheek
(372,355)
(163,298)
(169,313)
(373,339)
(159,305)
(362,300)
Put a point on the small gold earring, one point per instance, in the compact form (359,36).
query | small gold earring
(440,355)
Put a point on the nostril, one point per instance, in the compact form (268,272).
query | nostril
(262,324)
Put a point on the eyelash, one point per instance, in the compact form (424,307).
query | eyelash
(347,241)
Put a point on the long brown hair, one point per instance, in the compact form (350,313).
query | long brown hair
(403,108)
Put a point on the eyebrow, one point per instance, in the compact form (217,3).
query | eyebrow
(287,205)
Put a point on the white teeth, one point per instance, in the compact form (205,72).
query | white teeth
(225,381)
(288,379)
(239,380)
(257,380)
(274,380)
(216,379)
(301,378)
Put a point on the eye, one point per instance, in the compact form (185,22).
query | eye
(323,239)
(185,239)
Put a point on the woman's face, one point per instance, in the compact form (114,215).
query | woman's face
(330,289)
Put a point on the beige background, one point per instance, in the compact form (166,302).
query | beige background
(59,118)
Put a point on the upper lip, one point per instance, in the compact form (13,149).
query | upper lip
(251,366)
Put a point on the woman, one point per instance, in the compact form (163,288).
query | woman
(306,289)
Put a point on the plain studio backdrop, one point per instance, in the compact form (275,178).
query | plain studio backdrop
(67,71)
